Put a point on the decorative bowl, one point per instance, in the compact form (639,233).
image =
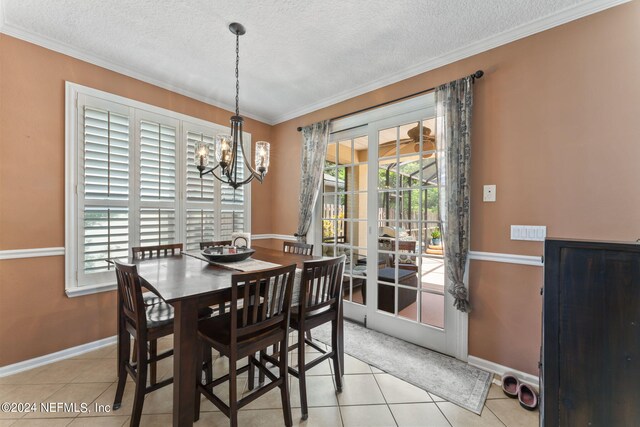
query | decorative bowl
(227,253)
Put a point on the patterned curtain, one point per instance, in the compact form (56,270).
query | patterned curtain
(315,138)
(454,105)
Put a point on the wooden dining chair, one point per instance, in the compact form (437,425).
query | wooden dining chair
(150,298)
(205,245)
(142,252)
(319,303)
(262,321)
(146,323)
(297,248)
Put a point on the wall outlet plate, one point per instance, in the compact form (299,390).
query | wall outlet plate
(489,193)
(536,233)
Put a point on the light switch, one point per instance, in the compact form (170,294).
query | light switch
(529,232)
(489,193)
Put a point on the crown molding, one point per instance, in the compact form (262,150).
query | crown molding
(65,49)
(561,17)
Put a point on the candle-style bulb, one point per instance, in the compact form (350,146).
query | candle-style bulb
(223,149)
(262,156)
(201,157)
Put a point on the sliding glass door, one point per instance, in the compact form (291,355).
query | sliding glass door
(379,207)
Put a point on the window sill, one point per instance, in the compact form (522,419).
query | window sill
(78,291)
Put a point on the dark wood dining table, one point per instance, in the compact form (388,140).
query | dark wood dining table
(189,283)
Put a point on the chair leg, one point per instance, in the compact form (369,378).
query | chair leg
(153,371)
(284,388)
(233,391)
(302,376)
(207,357)
(261,375)
(134,356)
(251,376)
(199,360)
(141,384)
(337,368)
(124,349)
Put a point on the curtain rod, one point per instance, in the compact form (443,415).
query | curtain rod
(478,74)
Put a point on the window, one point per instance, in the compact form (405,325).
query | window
(130,181)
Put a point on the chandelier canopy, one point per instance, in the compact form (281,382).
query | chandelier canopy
(227,148)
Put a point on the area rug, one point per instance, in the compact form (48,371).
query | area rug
(444,376)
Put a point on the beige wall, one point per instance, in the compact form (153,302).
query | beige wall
(36,317)
(554,128)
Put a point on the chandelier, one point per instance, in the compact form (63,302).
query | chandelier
(228,147)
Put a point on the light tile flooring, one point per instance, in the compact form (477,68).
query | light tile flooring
(369,398)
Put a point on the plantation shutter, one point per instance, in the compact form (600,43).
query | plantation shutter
(201,198)
(106,235)
(157,221)
(200,227)
(104,227)
(231,221)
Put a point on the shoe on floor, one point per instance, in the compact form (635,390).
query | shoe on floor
(510,385)
(528,397)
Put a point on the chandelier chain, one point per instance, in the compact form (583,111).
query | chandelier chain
(237,74)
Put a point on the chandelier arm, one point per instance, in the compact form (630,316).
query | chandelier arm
(238,141)
(252,171)
(204,171)
(249,179)
(211,171)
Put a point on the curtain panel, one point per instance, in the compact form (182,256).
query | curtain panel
(315,139)
(454,105)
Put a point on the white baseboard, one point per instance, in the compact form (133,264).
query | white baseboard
(501,370)
(54,357)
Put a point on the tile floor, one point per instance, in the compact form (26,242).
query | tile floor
(369,398)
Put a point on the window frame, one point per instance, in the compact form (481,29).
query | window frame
(76,97)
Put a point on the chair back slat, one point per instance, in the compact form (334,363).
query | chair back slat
(297,248)
(205,245)
(266,300)
(321,284)
(130,293)
(143,252)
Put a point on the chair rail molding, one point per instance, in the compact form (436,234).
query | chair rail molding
(31,253)
(536,261)
(273,236)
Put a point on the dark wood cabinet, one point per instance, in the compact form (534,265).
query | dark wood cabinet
(590,368)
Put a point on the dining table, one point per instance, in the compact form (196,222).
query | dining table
(188,282)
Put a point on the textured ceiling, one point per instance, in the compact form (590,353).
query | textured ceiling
(296,56)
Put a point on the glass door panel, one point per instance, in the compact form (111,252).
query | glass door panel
(344,211)
(408,281)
